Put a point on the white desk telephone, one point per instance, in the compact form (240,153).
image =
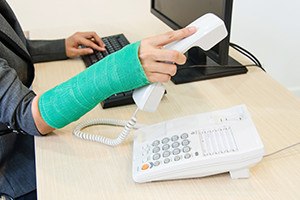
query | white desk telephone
(197,146)
(192,146)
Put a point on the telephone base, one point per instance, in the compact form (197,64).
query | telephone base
(197,146)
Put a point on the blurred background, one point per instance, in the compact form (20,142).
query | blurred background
(269,29)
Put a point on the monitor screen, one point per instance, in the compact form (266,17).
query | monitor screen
(178,14)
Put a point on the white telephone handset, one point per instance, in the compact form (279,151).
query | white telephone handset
(210,30)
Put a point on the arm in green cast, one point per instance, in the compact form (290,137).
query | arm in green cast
(67,102)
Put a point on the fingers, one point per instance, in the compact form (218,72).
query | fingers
(159,63)
(156,77)
(170,56)
(89,43)
(172,36)
(155,66)
(90,40)
(161,68)
(92,36)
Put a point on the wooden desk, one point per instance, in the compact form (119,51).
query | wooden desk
(70,168)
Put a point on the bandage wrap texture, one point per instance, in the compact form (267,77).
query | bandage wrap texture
(67,102)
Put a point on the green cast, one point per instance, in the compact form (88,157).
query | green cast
(67,102)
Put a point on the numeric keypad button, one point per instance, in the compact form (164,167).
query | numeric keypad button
(156,156)
(174,138)
(167,160)
(156,163)
(187,156)
(165,147)
(155,143)
(156,150)
(177,158)
(166,154)
(184,136)
(165,140)
(185,142)
(175,144)
(186,149)
(176,151)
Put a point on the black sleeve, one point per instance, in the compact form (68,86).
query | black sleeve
(47,50)
(15,101)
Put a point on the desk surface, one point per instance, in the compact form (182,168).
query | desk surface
(70,168)
(75,169)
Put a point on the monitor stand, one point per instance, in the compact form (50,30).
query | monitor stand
(201,67)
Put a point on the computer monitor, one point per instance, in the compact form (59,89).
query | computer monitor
(200,65)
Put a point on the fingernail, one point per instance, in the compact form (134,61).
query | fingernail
(192,28)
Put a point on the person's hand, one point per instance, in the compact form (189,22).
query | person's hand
(82,43)
(158,63)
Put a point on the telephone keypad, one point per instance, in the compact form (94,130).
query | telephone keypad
(168,149)
(178,147)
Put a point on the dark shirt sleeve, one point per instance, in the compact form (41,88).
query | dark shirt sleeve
(47,50)
(15,101)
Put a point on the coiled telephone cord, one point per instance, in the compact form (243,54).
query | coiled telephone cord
(128,126)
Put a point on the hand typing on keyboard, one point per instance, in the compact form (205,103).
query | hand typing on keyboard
(90,40)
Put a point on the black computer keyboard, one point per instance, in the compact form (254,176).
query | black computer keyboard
(113,43)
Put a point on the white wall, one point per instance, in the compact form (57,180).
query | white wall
(84,15)
(269,28)
(38,14)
